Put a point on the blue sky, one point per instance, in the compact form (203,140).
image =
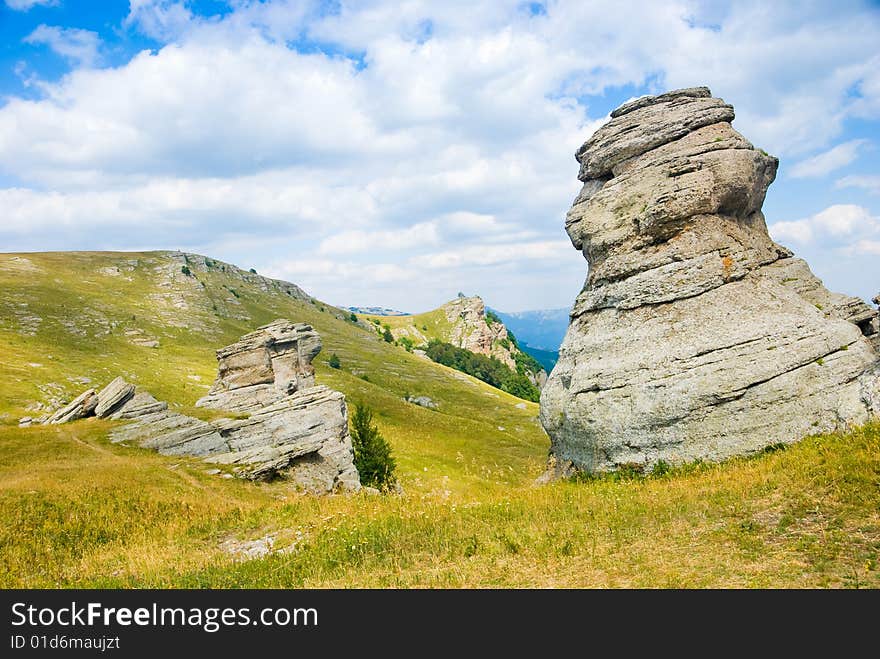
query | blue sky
(395,153)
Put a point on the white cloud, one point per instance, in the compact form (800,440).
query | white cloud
(24,5)
(422,142)
(871,183)
(843,226)
(490,255)
(78,46)
(870,247)
(827,161)
(160,19)
(352,242)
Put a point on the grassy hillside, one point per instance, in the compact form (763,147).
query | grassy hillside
(78,511)
(431,324)
(68,317)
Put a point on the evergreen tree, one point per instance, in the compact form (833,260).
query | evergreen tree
(372,454)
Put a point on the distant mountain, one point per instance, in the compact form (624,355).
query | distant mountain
(546,358)
(542,329)
(377,311)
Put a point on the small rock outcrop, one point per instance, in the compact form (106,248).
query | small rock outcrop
(695,336)
(421,401)
(473,330)
(280,423)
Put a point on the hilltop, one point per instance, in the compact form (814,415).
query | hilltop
(376,311)
(463,323)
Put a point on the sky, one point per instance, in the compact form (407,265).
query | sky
(394,154)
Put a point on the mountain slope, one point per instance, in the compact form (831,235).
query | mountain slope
(156,318)
(465,323)
(546,358)
(78,511)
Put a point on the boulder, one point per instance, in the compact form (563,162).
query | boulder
(141,404)
(112,397)
(280,424)
(82,406)
(303,437)
(695,337)
(422,401)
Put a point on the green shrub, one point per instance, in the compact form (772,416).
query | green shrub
(185,270)
(353,317)
(334,362)
(525,363)
(520,386)
(388,336)
(253,271)
(488,369)
(660,469)
(406,342)
(372,453)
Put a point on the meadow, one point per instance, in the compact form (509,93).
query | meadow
(78,511)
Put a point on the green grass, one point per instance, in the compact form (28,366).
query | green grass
(61,287)
(432,324)
(77,511)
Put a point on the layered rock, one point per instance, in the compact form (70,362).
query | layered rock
(80,407)
(280,424)
(264,366)
(695,335)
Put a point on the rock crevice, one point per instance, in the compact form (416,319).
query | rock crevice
(695,336)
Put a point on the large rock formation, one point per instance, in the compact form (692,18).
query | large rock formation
(695,335)
(280,422)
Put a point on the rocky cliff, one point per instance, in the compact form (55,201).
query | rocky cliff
(695,335)
(473,330)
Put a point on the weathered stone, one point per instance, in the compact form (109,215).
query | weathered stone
(141,404)
(264,366)
(695,336)
(171,433)
(647,123)
(82,406)
(311,424)
(277,426)
(113,396)
(422,401)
